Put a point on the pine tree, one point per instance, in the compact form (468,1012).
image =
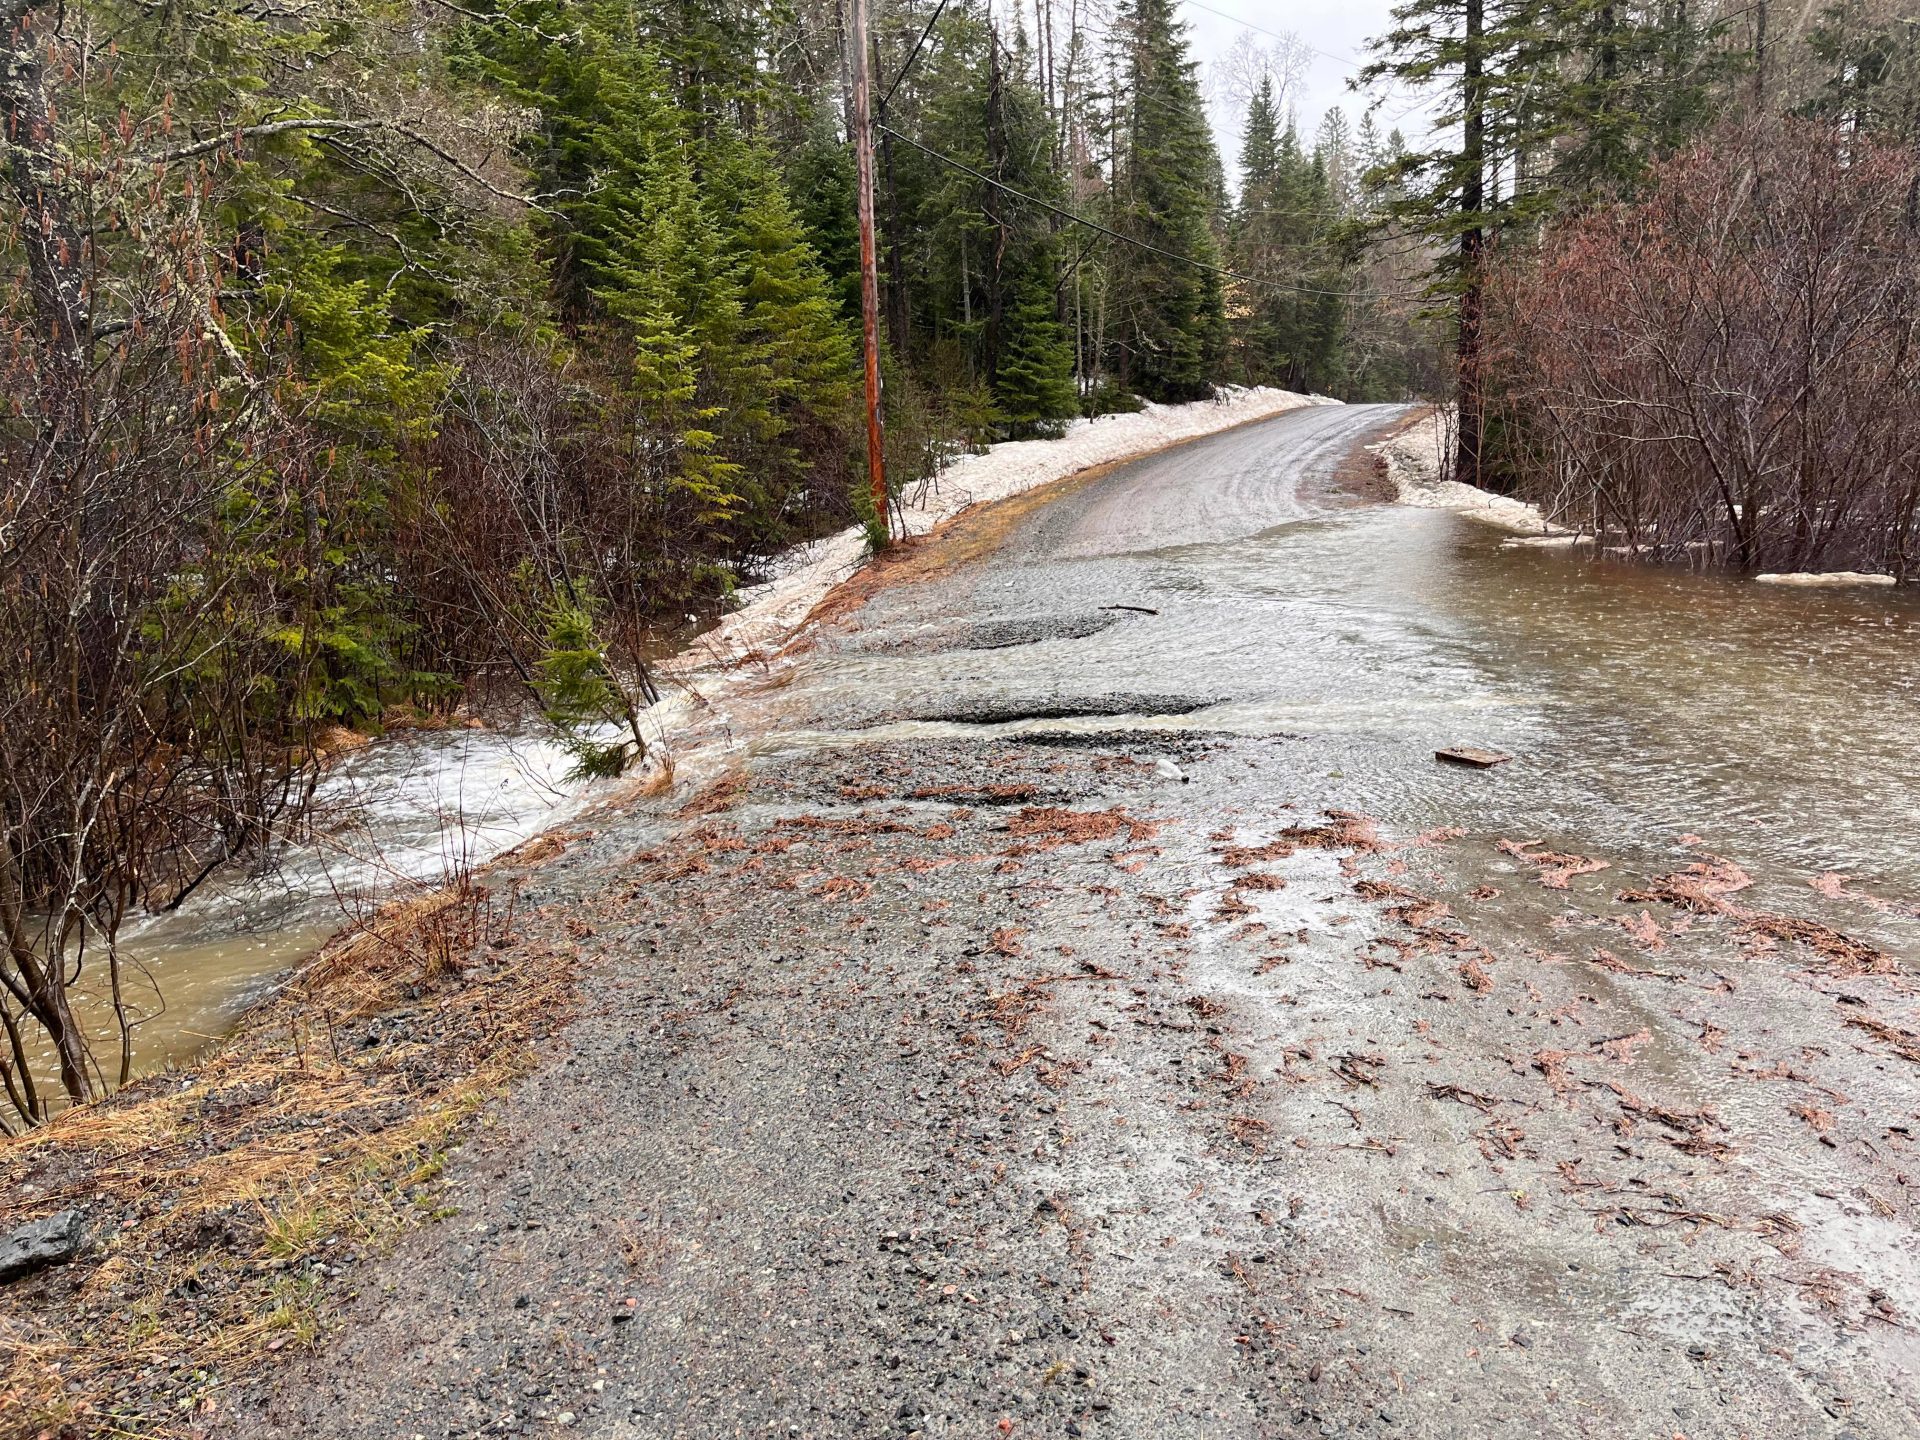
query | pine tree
(581,692)
(1287,318)
(978,239)
(781,374)
(1033,386)
(1168,195)
(1493,58)
(820,177)
(1334,144)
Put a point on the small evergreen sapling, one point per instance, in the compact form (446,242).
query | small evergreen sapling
(582,694)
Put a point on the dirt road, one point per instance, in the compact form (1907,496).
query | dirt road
(1081,1006)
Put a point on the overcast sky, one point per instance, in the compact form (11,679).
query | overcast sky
(1337,31)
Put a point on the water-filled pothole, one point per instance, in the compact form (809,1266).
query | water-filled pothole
(995,711)
(1033,629)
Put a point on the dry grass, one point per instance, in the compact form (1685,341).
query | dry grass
(317,1130)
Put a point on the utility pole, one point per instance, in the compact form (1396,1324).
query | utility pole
(869,266)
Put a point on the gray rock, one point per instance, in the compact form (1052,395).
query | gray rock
(39,1243)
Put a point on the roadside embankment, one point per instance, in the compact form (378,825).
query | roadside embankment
(1415,457)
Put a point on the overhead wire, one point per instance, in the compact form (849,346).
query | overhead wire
(1077,219)
(1350,61)
(932,20)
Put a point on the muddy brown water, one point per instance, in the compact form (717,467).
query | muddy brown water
(416,808)
(1640,704)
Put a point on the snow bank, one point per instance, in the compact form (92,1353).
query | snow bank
(1416,461)
(773,611)
(1824,578)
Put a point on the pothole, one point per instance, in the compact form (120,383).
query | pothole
(1032,630)
(1010,712)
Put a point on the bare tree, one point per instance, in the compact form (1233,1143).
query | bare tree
(1724,371)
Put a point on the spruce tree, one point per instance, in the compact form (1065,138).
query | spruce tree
(979,239)
(1168,299)
(1494,61)
(1287,309)
(1033,386)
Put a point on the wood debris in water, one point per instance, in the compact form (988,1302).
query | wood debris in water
(1472,756)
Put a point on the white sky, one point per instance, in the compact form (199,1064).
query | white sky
(1337,31)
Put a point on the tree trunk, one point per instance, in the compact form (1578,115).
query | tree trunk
(1467,451)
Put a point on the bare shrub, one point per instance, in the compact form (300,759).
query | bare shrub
(1725,370)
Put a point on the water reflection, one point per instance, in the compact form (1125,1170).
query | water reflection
(1642,704)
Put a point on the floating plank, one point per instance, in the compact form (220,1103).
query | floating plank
(1469,755)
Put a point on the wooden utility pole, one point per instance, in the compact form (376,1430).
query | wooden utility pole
(869,265)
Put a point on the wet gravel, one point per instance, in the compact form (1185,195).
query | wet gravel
(1094,1080)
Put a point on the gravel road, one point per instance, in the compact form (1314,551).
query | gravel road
(1055,1019)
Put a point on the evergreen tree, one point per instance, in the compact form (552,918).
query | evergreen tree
(1170,312)
(1334,143)
(1033,386)
(983,253)
(1287,311)
(820,177)
(1495,64)
(581,692)
(1868,63)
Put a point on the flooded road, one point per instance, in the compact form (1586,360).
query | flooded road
(1642,704)
(1083,1006)
(417,808)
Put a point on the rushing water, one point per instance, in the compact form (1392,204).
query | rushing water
(419,806)
(1640,703)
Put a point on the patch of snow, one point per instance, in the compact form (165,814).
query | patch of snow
(1416,464)
(1824,578)
(1544,542)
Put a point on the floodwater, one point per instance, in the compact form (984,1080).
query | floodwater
(1641,704)
(1779,725)
(415,808)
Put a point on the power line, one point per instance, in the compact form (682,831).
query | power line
(1065,214)
(931,22)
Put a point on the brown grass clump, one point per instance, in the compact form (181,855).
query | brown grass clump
(1903,1043)
(717,796)
(1702,887)
(962,794)
(1341,830)
(318,1129)
(1842,954)
(1410,907)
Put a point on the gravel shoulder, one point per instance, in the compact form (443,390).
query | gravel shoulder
(1022,1087)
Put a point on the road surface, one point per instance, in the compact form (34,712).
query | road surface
(1081,1006)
